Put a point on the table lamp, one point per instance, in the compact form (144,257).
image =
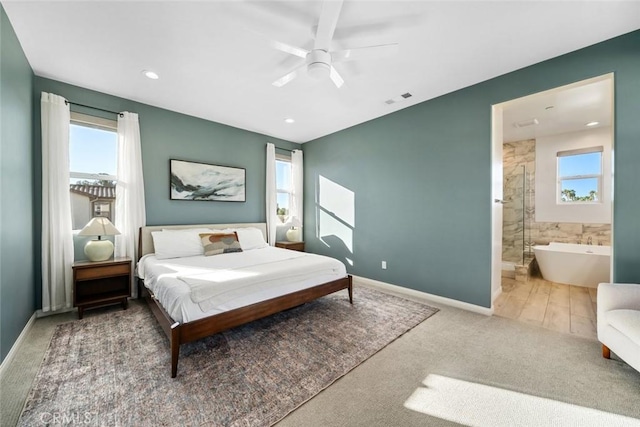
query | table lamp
(98,249)
(293,234)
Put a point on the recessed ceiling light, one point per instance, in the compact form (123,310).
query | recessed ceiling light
(592,123)
(150,74)
(289,120)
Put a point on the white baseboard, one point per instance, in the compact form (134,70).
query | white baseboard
(423,295)
(495,294)
(40,313)
(14,348)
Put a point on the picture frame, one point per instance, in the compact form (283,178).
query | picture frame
(206,182)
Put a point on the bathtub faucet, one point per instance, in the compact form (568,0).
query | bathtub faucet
(589,241)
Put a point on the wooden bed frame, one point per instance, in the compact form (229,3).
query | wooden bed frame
(180,333)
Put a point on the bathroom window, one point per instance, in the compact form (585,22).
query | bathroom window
(580,175)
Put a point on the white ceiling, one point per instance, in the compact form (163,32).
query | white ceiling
(558,111)
(215,60)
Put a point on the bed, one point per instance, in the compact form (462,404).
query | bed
(190,301)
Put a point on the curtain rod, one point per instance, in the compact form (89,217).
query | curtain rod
(285,149)
(93,108)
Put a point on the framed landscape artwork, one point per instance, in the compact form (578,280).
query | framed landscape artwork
(202,181)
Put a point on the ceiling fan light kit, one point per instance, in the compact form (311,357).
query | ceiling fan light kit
(319,61)
(318,70)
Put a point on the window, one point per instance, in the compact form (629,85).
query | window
(102,209)
(283,187)
(93,144)
(580,175)
(553,175)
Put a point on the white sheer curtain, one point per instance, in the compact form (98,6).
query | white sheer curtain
(271,193)
(130,212)
(297,172)
(57,237)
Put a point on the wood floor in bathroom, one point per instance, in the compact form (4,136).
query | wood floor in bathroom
(564,308)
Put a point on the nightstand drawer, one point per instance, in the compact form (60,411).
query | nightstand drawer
(294,246)
(100,272)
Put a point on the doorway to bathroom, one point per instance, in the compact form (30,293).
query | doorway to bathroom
(552,165)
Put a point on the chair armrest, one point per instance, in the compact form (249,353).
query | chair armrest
(615,296)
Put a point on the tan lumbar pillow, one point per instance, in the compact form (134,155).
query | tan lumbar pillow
(220,243)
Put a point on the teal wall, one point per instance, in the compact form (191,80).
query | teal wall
(417,182)
(169,135)
(421,179)
(16,186)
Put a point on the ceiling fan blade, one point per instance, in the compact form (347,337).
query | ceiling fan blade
(293,50)
(374,28)
(336,78)
(288,77)
(327,24)
(369,52)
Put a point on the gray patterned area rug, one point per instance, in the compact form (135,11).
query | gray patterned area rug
(114,369)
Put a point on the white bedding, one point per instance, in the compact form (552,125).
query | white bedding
(194,287)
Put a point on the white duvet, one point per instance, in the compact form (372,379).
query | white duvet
(195,287)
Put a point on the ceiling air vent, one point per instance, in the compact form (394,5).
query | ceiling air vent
(525,123)
(398,98)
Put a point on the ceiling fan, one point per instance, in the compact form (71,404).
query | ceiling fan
(319,60)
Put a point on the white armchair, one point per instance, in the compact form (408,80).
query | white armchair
(619,321)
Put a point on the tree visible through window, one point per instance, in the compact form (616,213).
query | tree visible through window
(580,175)
(93,146)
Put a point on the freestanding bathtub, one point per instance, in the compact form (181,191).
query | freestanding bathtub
(573,264)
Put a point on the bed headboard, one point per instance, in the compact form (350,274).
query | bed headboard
(145,244)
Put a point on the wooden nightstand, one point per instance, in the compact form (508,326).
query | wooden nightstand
(294,246)
(101,283)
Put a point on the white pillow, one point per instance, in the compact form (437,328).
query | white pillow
(250,238)
(187,230)
(178,243)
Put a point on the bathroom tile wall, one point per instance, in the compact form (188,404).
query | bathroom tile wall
(519,186)
(545,232)
(519,163)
